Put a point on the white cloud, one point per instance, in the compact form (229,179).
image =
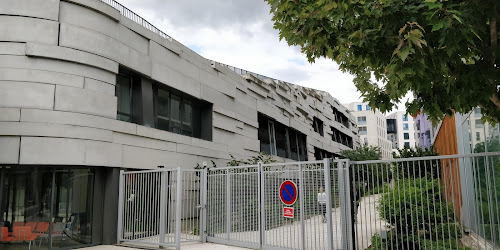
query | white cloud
(240,33)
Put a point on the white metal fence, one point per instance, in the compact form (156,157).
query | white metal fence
(438,202)
(244,206)
(160,207)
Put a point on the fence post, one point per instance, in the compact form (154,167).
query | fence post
(345,205)
(301,199)
(203,221)
(262,213)
(228,204)
(178,210)
(163,193)
(121,193)
(328,190)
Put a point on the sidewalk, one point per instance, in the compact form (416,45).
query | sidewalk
(187,246)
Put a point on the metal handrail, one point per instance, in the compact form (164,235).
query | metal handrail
(136,18)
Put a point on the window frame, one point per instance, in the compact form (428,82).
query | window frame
(131,116)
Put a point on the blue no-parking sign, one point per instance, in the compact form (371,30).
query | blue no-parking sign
(288,192)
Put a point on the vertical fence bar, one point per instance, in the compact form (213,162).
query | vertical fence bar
(301,194)
(228,204)
(328,190)
(178,210)
(121,190)
(262,213)
(203,219)
(163,193)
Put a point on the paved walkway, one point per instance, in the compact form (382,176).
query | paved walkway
(187,246)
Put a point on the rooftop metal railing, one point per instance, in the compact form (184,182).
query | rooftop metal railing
(136,18)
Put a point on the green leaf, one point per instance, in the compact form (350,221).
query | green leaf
(330,6)
(403,54)
(437,26)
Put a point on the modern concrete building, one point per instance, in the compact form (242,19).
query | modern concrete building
(401,130)
(88,89)
(372,127)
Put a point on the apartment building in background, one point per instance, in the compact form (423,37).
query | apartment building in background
(400,130)
(372,128)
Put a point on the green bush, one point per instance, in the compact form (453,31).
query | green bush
(417,169)
(447,230)
(414,243)
(414,205)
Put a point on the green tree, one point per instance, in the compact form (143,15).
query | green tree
(363,153)
(444,51)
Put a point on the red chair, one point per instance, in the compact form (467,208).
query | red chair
(24,234)
(18,224)
(32,225)
(4,235)
(42,227)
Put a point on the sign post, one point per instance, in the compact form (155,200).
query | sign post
(288,195)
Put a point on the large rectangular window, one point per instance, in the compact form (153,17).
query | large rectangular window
(321,154)
(318,125)
(405,126)
(341,138)
(405,118)
(52,206)
(340,117)
(360,107)
(406,136)
(280,140)
(180,113)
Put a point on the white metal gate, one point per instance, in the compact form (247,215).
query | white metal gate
(244,208)
(160,207)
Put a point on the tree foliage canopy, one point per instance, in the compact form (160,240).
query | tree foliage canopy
(442,51)
(363,153)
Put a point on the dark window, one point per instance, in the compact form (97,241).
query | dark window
(124,95)
(406,136)
(340,117)
(321,154)
(418,125)
(318,126)
(478,136)
(407,145)
(391,126)
(278,139)
(180,113)
(342,138)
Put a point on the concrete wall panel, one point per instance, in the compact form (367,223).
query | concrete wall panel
(88,18)
(143,142)
(85,101)
(8,48)
(163,135)
(176,80)
(41,76)
(26,29)
(69,118)
(133,40)
(26,95)
(99,7)
(134,59)
(103,154)
(88,40)
(40,150)
(9,149)
(10,114)
(46,9)
(23,62)
(54,130)
(99,86)
(67,54)
(143,158)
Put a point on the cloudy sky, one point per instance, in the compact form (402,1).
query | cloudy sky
(240,33)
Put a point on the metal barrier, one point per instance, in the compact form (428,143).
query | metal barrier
(244,206)
(439,202)
(160,207)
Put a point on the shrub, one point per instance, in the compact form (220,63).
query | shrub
(414,205)
(417,169)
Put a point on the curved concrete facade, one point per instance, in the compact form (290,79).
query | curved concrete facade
(58,66)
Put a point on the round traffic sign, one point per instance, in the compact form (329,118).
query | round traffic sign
(288,192)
